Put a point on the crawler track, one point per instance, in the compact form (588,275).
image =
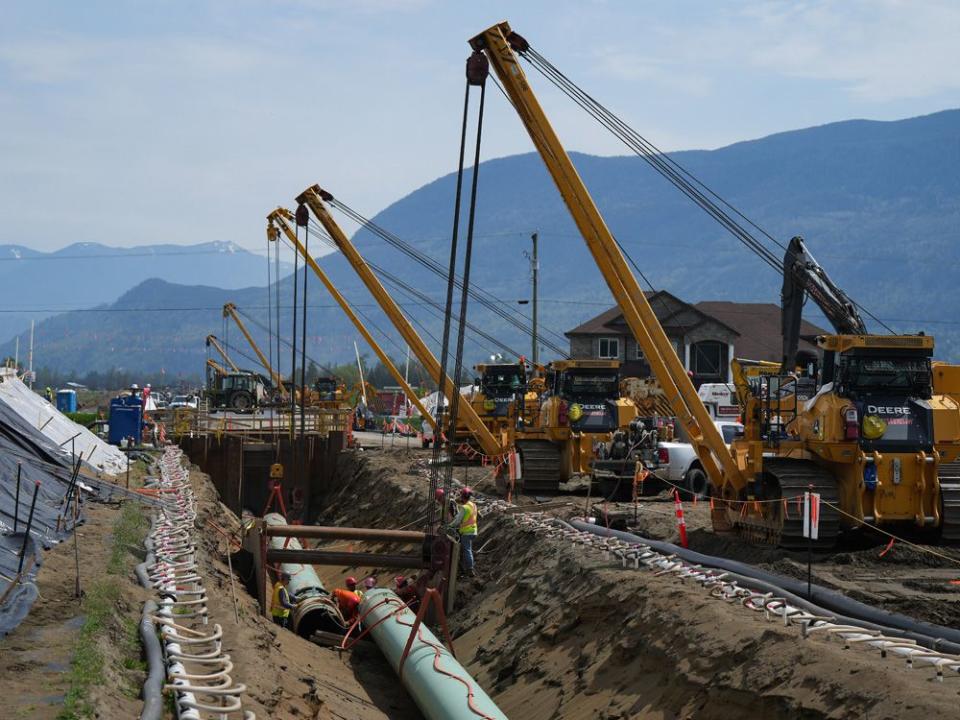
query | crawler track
(540,461)
(949,474)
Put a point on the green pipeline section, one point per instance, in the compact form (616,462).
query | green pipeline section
(438,684)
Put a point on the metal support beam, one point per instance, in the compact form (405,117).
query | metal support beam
(321,557)
(323,532)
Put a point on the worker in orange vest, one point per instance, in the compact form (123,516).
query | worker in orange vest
(466,525)
(281,606)
(348,600)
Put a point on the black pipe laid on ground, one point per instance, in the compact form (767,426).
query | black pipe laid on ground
(153,701)
(822,601)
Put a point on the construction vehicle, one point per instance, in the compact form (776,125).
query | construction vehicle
(580,409)
(315,198)
(238,391)
(279,222)
(874,441)
(277,386)
(499,389)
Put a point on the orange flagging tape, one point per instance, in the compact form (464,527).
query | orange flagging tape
(888,548)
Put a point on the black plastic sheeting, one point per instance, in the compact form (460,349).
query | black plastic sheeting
(41,461)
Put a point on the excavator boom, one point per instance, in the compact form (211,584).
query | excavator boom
(313,197)
(804,277)
(501,45)
(281,219)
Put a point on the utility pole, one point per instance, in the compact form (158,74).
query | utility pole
(30,376)
(535,267)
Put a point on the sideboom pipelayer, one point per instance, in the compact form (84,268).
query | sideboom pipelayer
(877,440)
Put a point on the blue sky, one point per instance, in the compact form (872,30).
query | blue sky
(144,122)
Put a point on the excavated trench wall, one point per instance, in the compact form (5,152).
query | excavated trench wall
(553,630)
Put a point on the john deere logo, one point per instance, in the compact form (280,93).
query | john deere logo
(576,412)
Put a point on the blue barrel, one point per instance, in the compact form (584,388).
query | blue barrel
(67,401)
(126,419)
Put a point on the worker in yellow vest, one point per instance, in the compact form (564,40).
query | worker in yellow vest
(465,523)
(281,606)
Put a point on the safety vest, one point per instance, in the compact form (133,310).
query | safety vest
(468,526)
(276,607)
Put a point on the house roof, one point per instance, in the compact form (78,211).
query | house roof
(611,321)
(758,325)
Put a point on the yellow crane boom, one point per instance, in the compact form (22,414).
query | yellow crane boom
(280,220)
(230,310)
(217,367)
(313,197)
(212,341)
(500,44)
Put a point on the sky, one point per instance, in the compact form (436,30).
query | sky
(131,123)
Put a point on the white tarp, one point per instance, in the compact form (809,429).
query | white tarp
(58,427)
(430,401)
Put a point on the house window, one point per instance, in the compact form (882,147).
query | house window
(609,349)
(638,352)
(708,361)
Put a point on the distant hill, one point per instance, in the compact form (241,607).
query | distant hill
(878,202)
(89,274)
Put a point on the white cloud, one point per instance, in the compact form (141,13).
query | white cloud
(880,50)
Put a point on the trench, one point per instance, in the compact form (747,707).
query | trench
(551,631)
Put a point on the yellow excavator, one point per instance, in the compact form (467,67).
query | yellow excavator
(874,440)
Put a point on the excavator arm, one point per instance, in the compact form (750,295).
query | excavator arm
(215,344)
(230,310)
(804,277)
(280,220)
(500,45)
(314,197)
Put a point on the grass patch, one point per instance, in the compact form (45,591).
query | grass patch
(86,667)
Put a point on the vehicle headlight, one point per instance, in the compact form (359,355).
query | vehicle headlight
(873,427)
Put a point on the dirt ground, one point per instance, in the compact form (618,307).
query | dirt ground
(553,631)
(550,630)
(35,659)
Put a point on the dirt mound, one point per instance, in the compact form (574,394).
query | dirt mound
(552,630)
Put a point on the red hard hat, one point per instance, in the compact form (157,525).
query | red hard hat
(351,582)
(466,492)
(439,494)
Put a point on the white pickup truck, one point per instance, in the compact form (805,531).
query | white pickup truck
(677,462)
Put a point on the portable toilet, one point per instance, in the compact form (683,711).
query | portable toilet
(67,401)
(126,419)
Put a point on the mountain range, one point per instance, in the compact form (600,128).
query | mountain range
(35,285)
(877,202)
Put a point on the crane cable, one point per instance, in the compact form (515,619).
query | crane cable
(498,306)
(478,68)
(422,298)
(666,166)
